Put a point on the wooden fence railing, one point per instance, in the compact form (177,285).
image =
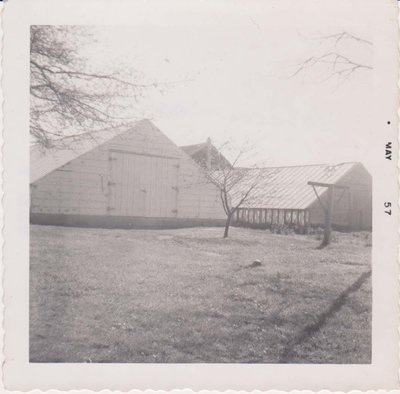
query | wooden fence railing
(266,217)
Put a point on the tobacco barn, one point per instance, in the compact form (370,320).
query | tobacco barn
(133,178)
(297,196)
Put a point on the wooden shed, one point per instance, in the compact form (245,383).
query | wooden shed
(134,178)
(284,197)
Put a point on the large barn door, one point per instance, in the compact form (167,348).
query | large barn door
(142,185)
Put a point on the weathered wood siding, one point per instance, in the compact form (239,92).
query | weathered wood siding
(138,173)
(352,208)
(340,210)
(142,185)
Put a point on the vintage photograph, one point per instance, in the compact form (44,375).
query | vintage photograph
(200,194)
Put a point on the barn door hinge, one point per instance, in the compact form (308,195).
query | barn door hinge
(175,188)
(112,158)
(110,208)
(176,165)
(111,183)
(174,210)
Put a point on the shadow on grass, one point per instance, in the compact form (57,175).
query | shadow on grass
(311,329)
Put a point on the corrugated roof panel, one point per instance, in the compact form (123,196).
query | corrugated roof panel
(286,187)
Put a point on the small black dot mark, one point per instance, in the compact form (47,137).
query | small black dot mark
(388,122)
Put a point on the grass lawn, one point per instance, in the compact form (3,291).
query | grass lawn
(187,295)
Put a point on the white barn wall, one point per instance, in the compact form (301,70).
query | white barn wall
(80,187)
(353,209)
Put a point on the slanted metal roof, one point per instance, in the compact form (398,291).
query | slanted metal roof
(286,187)
(43,161)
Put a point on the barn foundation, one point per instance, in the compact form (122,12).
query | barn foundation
(122,222)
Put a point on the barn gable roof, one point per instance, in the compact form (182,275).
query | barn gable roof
(193,149)
(286,187)
(199,154)
(43,161)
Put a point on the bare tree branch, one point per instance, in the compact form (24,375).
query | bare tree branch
(338,37)
(235,184)
(67,99)
(336,63)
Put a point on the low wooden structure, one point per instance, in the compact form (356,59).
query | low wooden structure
(295,197)
(267,217)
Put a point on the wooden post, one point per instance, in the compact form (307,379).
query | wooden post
(349,216)
(327,209)
(328,218)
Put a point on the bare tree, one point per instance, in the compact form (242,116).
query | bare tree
(68,100)
(333,57)
(236,185)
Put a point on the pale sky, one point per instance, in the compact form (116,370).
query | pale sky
(233,83)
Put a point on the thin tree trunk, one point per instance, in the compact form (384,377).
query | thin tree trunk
(227,224)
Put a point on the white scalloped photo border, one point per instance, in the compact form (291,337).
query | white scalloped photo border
(18,374)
